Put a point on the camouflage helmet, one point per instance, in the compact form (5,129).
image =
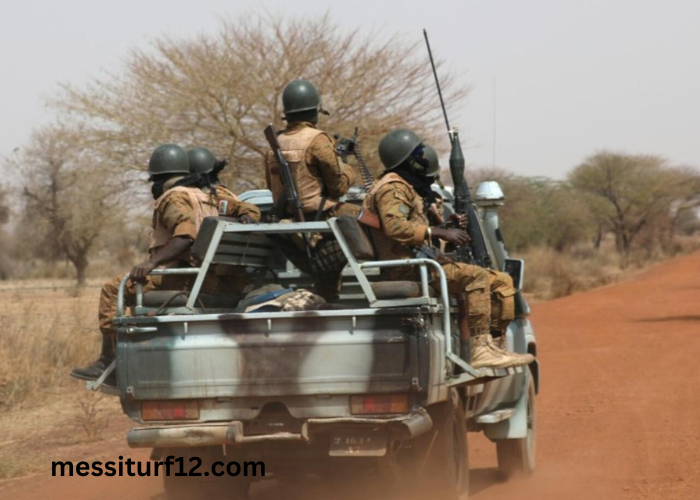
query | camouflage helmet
(168,159)
(300,95)
(398,146)
(433,162)
(202,160)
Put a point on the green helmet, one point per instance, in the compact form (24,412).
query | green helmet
(300,95)
(202,161)
(168,159)
(397,146)
(433,162)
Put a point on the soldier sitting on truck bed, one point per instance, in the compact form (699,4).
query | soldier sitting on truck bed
(183,200)
(502,292)
(320,175)
(398,199)
(202,161)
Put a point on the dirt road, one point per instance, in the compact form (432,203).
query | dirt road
(619,409)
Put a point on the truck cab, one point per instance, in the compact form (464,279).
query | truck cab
(374,381)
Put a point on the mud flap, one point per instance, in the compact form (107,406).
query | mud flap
(516,426)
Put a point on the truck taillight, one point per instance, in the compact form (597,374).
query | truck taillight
(170,410)
(379,404)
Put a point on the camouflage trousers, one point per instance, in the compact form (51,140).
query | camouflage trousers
(490,295)
(107,309)
(231,283)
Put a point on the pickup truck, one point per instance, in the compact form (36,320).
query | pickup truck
(374,382)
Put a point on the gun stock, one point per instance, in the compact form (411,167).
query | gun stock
(292,197)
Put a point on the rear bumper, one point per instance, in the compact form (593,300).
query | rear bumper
(231,433)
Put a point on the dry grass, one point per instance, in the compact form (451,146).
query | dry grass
(550,274)
(46,329)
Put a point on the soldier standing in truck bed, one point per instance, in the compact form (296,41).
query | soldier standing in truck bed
(320,175)
(183,200)
(398,199)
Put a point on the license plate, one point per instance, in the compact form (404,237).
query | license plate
(358,444)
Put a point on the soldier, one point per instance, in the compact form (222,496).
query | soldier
(202,161)
(180,207)
(502,291)
(320,175)
(398,199)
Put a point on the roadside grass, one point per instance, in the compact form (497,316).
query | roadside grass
(550,274)
(45,330)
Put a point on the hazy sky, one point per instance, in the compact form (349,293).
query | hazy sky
(572,76)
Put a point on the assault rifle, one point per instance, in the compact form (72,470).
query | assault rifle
(292,197)
(476,252)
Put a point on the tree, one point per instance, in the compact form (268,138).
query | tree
(220,90)
(68,200)
(631,193)
(4,243)
(538,211)
(4,206)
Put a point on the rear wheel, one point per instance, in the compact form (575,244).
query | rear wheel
(205,488)
(517,456)
(436,464)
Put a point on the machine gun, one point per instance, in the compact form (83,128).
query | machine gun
(292,197)
(476,252)
(350,146)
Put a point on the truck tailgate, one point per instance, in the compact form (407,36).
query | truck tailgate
(239,355)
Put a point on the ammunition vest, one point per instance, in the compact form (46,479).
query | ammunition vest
(386,247)
(308,181)
(203,205)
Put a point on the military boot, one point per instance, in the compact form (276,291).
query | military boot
(498,339)
(484,354)
(95,370)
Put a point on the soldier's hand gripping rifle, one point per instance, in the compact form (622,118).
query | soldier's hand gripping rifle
(292,195)
(476,253)
(350,146)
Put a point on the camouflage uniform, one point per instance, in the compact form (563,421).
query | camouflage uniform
(179,212)
(318,172)
(231,206)
(315,167)
(500,284)
(404,224)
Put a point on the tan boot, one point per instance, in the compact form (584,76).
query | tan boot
(499,342)
(484,354)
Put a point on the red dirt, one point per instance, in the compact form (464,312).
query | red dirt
(619,409)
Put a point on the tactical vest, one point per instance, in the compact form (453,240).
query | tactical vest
(386,247)
(203,206)
(309,183)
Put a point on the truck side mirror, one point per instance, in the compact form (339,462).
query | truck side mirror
(516,269)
